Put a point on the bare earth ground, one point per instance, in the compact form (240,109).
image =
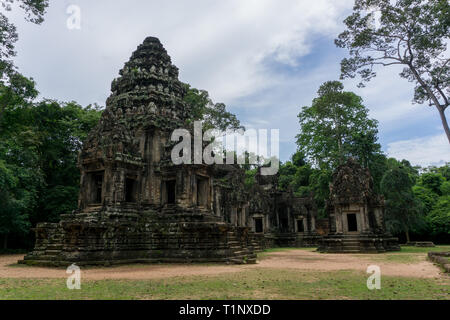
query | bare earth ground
(302,260)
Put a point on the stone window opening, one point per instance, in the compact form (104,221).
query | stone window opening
(372,220)
(130,190)
(96,179)
(283,218)
(352,222)
(169,192)
(202,192)
(300,226)
(259,226)
(239,217)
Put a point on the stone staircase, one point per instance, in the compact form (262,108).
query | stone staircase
(240,254)
(47,248)
(356,243)
(351,244)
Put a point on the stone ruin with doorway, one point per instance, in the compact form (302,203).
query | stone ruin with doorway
(280,218)
(356,214)
(136,205)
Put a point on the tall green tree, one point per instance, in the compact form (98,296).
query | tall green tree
(298,176)
(337,126)
(213,115)
(21,177)
(61,128)
(439,218)
(411,33)
(432,181)
(403,210)
(15,202)
(294,175)
(39,144)
(9,76)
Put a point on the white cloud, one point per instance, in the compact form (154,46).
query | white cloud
(431,150)
(224,47)
(218,45)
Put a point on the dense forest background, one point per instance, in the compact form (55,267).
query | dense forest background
(40,141)
(40,138)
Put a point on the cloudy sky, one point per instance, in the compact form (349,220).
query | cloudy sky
(264,59)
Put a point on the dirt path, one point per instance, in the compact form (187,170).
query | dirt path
(308,260)
(301,260)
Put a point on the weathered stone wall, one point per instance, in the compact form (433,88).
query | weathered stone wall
(356,214)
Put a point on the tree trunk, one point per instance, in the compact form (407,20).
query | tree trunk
(434,99)
(407,236)
(444,122)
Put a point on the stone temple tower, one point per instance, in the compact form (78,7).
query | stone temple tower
(135,205)
(126,159)
(356,214)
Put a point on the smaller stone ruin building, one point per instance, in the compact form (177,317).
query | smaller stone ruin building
(356,214)
(281,218)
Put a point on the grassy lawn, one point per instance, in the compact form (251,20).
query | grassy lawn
(408,254)
(440,248)
(250,284)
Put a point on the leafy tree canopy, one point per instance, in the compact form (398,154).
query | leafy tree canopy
(337,126)
(213,115)
(403,209)
(11,80)
(39,144)
(411,33)
(34,12)
(432,181)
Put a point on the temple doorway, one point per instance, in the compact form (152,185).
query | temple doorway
(352,222)
(259,225)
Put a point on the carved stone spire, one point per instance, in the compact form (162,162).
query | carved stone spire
(146,95)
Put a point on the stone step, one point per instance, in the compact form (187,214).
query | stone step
(52,252)
(54,247)
(237,261)
(243,260)
(45,257)
(351,248)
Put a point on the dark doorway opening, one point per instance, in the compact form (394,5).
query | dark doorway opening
(170,189)
(259,225)
(202,192)
(284,221)
(131,190)
(300,226)
(98,186)
(352,222)
(372,220)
